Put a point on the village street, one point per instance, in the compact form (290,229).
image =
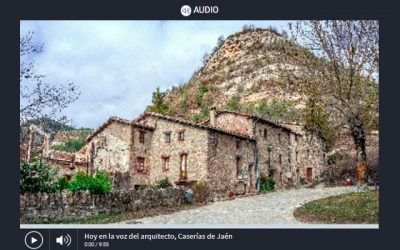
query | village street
(272,208)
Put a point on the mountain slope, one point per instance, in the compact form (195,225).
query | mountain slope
(240,73)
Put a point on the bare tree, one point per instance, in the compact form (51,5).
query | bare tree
(40,100)
(341,75)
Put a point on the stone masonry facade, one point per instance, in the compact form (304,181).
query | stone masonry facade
(287,152)
(230,152)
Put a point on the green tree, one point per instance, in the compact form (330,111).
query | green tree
(159,104)
(37,177)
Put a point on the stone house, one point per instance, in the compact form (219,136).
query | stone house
(287,152)
(153,147)
(229,151)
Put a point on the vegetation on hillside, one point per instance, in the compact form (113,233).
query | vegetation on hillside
(70,146)
(193,99)
(158,103)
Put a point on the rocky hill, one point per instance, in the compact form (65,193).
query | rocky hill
(241,74)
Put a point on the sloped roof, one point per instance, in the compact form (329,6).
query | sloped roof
(286,127)
(120,120)
(186,122)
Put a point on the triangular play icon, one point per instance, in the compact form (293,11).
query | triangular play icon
(33,240)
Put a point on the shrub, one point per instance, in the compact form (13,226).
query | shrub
(37,177)
(99,183)
(184,98)
(202,192)
(203,115)
(342,165)
(266,183)
(200,93)
(62,183)
(164,183)
(80,181)
(233,104)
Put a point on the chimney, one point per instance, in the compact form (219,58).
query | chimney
(213,112)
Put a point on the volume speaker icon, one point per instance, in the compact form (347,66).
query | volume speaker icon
(64,240)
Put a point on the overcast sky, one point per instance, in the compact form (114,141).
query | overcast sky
(118,64)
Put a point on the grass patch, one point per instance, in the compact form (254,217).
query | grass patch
(353,208)
(114,218)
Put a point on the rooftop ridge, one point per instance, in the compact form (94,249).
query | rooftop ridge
(184,121)
(117,119)
(271,121)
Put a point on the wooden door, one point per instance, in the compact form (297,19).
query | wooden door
(183,172)
(309,175)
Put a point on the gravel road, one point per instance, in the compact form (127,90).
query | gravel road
(271,208)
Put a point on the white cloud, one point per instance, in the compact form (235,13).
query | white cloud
(118,64)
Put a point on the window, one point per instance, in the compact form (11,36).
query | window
(238,167)
(289,157)
(269,157)
(141,136)
(296,138)
(265,134)
(297,155)
(280,159)
(165,163)
(279,137)
(140,164)
(181,135)
(237,144)
(167,137)
(184,174)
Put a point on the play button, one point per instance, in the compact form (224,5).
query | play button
(33,240)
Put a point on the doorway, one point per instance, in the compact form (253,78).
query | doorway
(183,168)
(251,177)
(309,175)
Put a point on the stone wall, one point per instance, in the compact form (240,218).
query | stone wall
(311,156)
(234,122)
(112,147)
(275,152)
(283,153)
(45,208)
(345,143)
(142,150)
(194,146)
(223,152)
